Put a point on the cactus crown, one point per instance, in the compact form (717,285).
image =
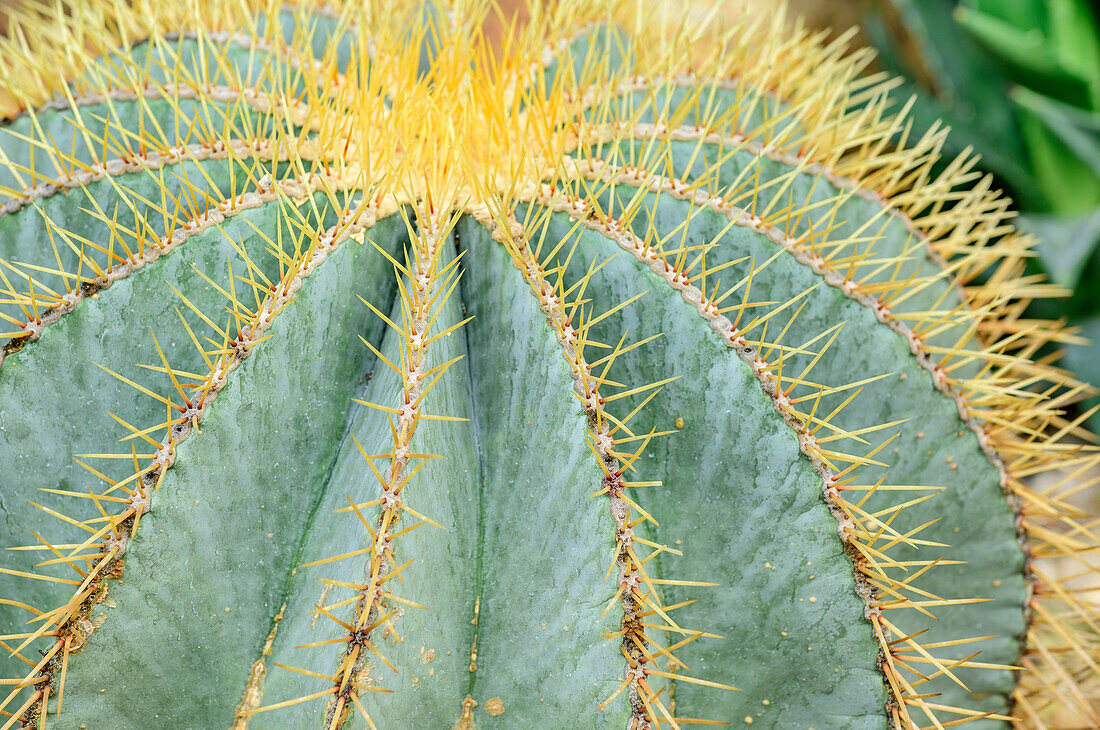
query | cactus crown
(582,376)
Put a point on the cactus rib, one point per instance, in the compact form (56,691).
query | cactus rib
(637,592)
(235,148)
(430,285)
(856,525)
(49,311)
(72,618)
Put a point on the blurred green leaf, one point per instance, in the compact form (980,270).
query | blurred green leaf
(1065,244)
(1084,361)
(1078,129)
(1036,59)
(1021,13)
(959,75)
(1067,182)
(1018,81)
(953,80)
(1075,32)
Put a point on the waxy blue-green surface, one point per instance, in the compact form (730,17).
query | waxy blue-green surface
(546,545)
(54,399)
(430,647)
(203,579)
(932,448)
(746,510)
(522,542)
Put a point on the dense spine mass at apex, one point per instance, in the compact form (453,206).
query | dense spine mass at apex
(610,373)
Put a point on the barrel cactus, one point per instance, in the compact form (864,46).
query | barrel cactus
(625,371)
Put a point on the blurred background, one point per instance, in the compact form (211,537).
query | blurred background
(1019,82)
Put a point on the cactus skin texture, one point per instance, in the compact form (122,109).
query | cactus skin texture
(620,374)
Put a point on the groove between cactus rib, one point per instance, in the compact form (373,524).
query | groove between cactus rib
(295,188)
(648,83)
(90,591)
(576,209)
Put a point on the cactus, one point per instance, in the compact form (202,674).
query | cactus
(621,373)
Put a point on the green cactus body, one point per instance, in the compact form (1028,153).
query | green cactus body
(618,376)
